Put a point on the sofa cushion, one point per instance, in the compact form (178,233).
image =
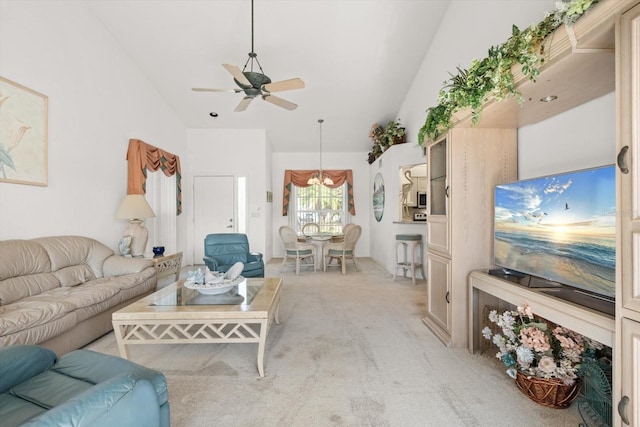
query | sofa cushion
(22,258)
(16,288)
(66,251)
(74,275)
(15,411)
(79,296)
(41,333)
(49,389)
(21,362)
(27,314)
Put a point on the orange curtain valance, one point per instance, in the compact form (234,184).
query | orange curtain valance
(299,178)
(142,156)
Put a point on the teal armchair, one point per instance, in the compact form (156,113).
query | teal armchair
(222,250)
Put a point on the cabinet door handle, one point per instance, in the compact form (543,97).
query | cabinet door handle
(446,297)
(446,191)
(622,160)
(622,409)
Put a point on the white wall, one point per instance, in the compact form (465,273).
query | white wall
(98,99)
(383,233)
(237,152)
(357,162)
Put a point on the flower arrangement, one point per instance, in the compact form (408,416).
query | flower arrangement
(537,348)
(384,137)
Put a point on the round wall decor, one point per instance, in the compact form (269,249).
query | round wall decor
(378,197)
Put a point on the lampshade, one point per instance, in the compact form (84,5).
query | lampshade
(134,206)
(320,177)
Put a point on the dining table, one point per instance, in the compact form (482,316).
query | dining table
(319,240)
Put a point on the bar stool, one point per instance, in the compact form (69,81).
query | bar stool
(414,243)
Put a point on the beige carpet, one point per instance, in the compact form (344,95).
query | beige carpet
(349,351)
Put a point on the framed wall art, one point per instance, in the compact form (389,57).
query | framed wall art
(23,134)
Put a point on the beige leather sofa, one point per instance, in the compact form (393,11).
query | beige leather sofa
(59,292)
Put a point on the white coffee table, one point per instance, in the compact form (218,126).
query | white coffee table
(176,314)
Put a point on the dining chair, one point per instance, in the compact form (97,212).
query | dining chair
(293,248)
(310,229)
(339,238)
(343,250)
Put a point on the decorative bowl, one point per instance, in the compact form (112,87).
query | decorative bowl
(213,288)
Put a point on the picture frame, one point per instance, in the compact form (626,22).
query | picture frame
(23,134)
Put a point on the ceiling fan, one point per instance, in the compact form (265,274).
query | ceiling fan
(255,84)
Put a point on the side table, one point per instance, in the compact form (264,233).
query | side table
(166,265)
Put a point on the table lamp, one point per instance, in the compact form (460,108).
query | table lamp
(135,208)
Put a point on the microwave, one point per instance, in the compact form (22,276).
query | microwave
(422,199)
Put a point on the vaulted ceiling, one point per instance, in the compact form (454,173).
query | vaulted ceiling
(357,58)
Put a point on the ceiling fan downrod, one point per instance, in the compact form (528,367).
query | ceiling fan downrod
(252,55)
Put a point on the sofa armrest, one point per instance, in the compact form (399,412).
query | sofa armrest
(118,265)
(21,362)
(211,263)
(123,401)
(254,257)
(94,367)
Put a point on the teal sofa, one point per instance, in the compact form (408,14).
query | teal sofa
(81,388)
(222,250)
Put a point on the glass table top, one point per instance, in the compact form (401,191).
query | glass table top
(178,295)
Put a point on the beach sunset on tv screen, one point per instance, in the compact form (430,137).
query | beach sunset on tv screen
(561,228)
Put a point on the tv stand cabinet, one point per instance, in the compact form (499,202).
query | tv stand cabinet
(486,289)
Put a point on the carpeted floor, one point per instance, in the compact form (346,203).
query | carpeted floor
(349,351)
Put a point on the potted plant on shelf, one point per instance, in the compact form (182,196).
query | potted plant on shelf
(384,137)
(492,77)
(394,133)
(542,358)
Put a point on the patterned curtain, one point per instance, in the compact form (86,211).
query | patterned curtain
(299,178)
(142,156)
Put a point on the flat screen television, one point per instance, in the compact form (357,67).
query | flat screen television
(560,229)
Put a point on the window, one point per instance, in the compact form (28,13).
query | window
(322,205)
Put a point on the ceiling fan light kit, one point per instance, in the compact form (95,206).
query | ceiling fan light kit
(256,84)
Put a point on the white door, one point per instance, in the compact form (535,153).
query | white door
(214,209)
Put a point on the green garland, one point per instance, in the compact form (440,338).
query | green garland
(492,76)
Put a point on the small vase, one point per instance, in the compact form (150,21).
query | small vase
(158,251)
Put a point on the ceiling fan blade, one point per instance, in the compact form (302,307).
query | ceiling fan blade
(280,102)
(284,85)
(237,74)
(244,103)
(205,89)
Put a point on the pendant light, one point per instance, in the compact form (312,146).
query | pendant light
(320,177)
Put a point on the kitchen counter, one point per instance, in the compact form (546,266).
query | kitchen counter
(409,222)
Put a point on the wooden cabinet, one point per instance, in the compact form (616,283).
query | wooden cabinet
(627,363)
(628,411)
(439,278)
(462,169)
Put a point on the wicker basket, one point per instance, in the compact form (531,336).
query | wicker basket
(550,392)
